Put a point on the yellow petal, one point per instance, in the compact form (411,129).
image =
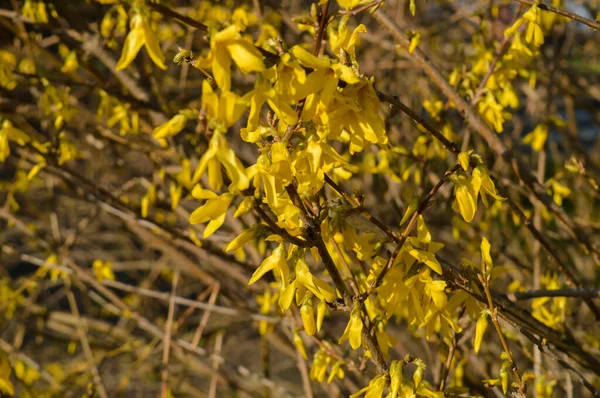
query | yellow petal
(321,309)
(287,296)
(316,286)
(299,345)
(231,108)
(221,68)
(485,253)
(170,128)
(244,207)
(213,209)
(345,73)
(412,207)
(133,43)
(246,56)
(153,47)
(511,30)
(210,99)
(348,4)
(428,258)
(229,33)
(307,314)
(354,38)
(268,264)
(465,197)
(283,111)
(480,328)
(243,238)
(464,159)
(356,325)
(235,169)
(308,60)
(200,193)
(215,179)
(213,225)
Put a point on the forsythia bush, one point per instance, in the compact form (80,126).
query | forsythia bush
(296,198)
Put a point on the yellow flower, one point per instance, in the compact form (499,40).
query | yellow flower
(492,112)
(482,183)
(396,378)
(466,198)
(321,309)
(35,10)
(213,211)
(312,163)
(103,270)
(219,153)
(518,46)
(275,195)
(415,39)
(307,313)
(275,261)
(354,116)
(141,35)
(8,61)
(170,128)
(226,108)
(480,328)
(353,331)
(374,389)
(243,238)
(225,46)
(349,4)
(559,191)
(533,33)
(67,150)
(342,39)
(537,138)
(316,286)
(8,132)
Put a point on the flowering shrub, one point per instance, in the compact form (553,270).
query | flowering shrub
(311,171)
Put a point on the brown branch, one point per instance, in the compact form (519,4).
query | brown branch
(276,229)
(396,103)
(212,393)
(356,205)
(320,28)
(167,12)
(494,316)
(591,23)
(206,316)
(567,292)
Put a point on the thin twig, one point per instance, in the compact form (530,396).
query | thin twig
(212,392)
(188,302)
(167,12)
(494,317)
(205,317)
(567,292)
(85,345)
(164,374)
(591,23)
